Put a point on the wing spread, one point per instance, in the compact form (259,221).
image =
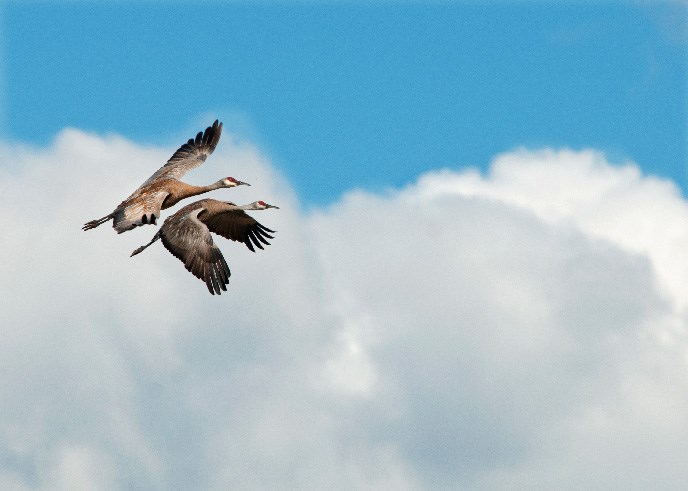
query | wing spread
(237,225)
(190,241)
(190,155)
(142,210)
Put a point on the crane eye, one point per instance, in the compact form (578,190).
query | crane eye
(231,179)
(262,203)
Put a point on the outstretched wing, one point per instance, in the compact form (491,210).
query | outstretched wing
(237,225)
(190,155)
(190,241)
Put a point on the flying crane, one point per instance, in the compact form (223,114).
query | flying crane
(164,188)
(186,234)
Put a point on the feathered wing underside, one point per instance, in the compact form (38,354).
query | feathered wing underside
(238,226)
(190,241)
(142,209)
(190,155)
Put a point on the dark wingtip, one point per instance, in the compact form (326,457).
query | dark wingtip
(214,133)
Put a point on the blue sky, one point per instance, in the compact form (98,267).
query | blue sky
(523,328)
(357,95)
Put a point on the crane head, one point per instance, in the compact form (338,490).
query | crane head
(262,205)
(230,182)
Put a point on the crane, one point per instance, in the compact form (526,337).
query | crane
(186,234)
(164,189)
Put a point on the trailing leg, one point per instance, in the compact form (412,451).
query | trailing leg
(140,249)
(95,223)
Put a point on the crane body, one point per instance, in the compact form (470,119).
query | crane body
(164,188)
(187,235)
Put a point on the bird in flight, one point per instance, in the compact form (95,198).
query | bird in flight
(186,234)
(164,188)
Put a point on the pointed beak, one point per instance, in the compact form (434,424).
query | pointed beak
(271,206)
(241,183)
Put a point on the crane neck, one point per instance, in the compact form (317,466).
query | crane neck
(250,206)
(183,190)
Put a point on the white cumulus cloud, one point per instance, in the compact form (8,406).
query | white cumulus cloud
(522,329)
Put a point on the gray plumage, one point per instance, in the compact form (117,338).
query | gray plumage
(186,234)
